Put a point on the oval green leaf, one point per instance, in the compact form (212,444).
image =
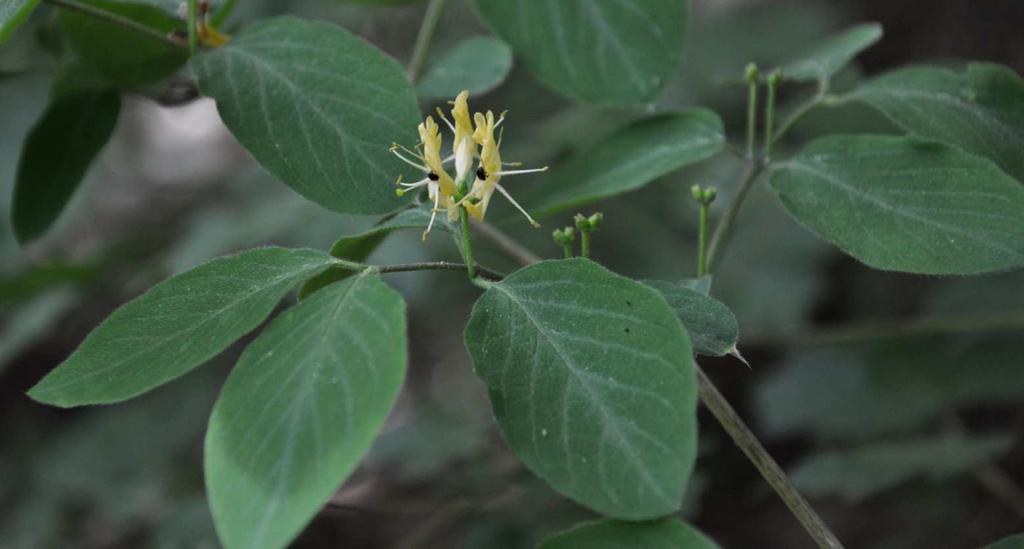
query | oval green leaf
(667,533)
(629,159)
(120,56)
(827,58)
(712,326)
(902,204)
(176,326)
(318,108)
(55,156)
(478,64)
(12,14)
(591,379)
(609,53)
(980,109)
(301,408)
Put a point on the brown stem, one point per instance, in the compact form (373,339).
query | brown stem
(746,440)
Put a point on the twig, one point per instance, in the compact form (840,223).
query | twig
(426,34)
(423,266)
(770,470)
(120,20)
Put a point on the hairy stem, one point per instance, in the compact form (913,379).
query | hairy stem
(769,469)
(119,20)
(585,244)
(702,242)
(751,112)
(426,34)
(769,114)
(422,266)
(467,243)
(820,98)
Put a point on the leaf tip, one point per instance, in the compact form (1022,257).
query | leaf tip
(735,353)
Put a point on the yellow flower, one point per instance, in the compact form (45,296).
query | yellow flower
(440,186)
(462,146)
(490,170)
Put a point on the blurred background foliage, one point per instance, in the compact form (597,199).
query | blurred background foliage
(900,439)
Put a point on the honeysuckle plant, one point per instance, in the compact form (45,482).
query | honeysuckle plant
(593,377)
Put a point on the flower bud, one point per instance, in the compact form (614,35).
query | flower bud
(751,74)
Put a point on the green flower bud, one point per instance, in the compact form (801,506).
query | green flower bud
(751,73)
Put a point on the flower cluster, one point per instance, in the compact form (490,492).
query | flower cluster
(474,142)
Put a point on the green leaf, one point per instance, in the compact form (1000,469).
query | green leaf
(301,408)
(629,159)
(980,109)
(667,533)
(123,57)
(359,246)
(1015,541)
(176,326)
(591,380)
(317,107)
(901,204)
(478,64)
(56,155)
(867,470)
(12,14)
(609,53)
(711,325)
(831,55)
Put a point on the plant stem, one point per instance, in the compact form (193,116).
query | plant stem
(769,114)
(724,228)
(585,244)
(422,266)
(426,34)
(819,98)
(889,329)
(743,437)
(567,250)
(702,243)
(193,38)
(751,117)
(467,243)
(119,20)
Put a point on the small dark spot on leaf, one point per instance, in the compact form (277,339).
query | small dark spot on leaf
(629,303)
(627,330)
